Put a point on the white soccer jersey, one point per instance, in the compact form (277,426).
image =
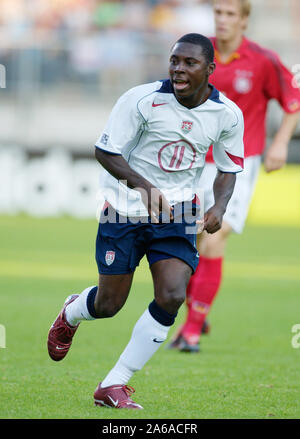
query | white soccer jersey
(166,143)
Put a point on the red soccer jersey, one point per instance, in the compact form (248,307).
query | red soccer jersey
(252,76)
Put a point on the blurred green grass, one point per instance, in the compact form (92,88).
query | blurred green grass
(247,367)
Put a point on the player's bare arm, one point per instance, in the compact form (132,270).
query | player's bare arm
(276,155)
(152,197)
(223,188)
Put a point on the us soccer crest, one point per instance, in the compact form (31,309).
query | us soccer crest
(186,126)
(110,257)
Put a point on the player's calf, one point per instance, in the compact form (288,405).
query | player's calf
(112,294)
(170,300)
(170,281)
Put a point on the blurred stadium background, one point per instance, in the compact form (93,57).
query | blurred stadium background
(64,64)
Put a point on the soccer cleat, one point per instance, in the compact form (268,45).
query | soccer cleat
(183,344)
(189,345)
(175,341)
(174,344)
(61,333)
(116,396)
(186,345)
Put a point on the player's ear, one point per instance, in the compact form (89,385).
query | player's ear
(211,68)
(244,22)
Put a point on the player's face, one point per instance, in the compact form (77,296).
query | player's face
(189,71)
(229,20)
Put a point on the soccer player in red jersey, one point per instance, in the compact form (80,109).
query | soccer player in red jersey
(251,76)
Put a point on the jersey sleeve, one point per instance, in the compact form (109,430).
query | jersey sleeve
(124,123)
(228,151)
(279,83)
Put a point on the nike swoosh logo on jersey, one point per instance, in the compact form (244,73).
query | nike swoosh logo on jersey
(115,403)
(158,341)
(59,348)
(158,105)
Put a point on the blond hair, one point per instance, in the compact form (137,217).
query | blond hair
(246,7)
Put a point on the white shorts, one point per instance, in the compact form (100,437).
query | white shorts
(238,206)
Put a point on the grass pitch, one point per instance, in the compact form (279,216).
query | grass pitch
(247,367)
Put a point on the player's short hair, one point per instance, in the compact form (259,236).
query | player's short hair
(246,7)
(200,40)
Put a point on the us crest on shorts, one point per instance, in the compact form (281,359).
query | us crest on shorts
(110,257)
(186,126)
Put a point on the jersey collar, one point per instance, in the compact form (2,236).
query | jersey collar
(235,55)
(167,87)
(215,95)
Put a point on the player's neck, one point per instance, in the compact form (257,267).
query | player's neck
(197,99)
(227,47)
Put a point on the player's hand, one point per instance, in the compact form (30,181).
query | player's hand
(213,219)
(200,226)
(276,156)
(156,203)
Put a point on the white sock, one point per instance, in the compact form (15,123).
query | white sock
(77,310)
(139,350)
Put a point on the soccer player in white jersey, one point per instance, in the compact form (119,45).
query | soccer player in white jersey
(153,150)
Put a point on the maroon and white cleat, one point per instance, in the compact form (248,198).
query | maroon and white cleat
(117,396)
(61,334)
